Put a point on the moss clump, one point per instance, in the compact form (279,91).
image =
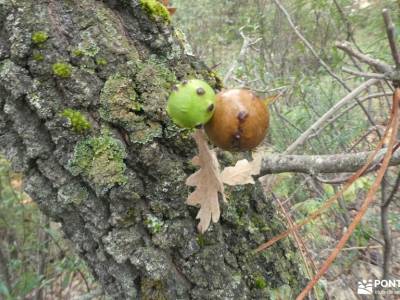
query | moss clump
(77,53)
(38,57)
(155,10)
(101,61)
(260,282)
(39,37)
(78,121)
(101,161)
(63,70)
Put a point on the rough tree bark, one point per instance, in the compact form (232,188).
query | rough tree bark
(83,87)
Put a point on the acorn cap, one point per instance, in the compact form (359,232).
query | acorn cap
(240,120)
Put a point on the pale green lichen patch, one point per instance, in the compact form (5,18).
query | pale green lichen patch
(88,45)
(118,102)
(154,93)
(61,69)
(112,41)
(155,10)
(153,224)
(72,193)
(39,37)
(145,132)
(160,72)
(284,292)
(101,161)
(79,123)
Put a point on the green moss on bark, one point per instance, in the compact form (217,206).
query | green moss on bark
(39,37)
(78,121)
(155,10)
(63,70)
(260,282)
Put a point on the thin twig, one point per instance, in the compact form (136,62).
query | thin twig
(391,34)
(322,63)
(300,244)
(305,41)
(368,199)
(350,35)
(394,190)
(385,229)
(303,137)
(376,64)
(328,203)
(362,74)
(42,253)
(356,248)
(247,42)
(374,128)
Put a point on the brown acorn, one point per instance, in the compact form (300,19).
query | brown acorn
(240,120)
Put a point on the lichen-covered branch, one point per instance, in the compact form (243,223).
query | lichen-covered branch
(314,164)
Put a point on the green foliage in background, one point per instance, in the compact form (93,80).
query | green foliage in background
(27,241)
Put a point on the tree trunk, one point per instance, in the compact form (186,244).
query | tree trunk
(83,87)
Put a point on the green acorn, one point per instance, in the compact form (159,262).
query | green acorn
(191,103)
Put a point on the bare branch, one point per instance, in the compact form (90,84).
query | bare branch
(350,107)
(376,64)
(306,42)
(247,43)
(365,75)
(350,33)
(322,63)
(326,117)
(385,229)
(314,164)
(391,34)
(396,187)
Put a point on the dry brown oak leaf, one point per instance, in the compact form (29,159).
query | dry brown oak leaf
(209,181)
